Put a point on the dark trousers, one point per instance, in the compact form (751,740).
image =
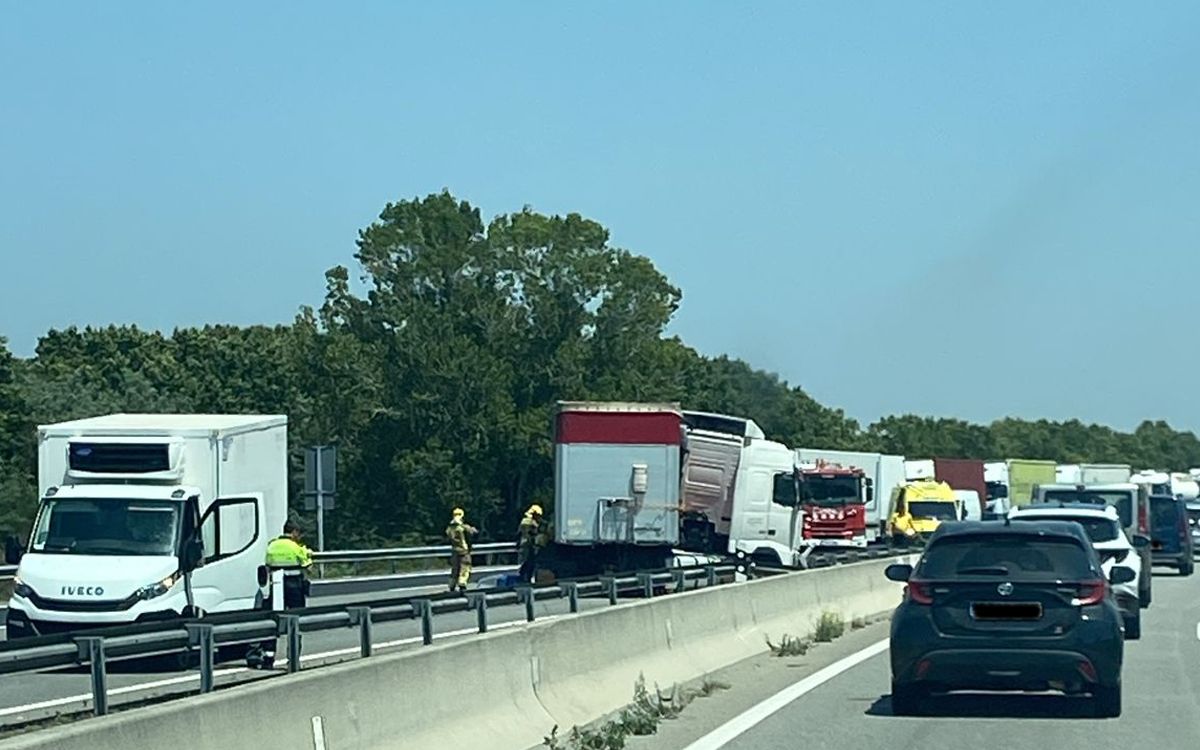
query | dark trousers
(528,565)
(295,596)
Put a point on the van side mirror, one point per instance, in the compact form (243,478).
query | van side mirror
(14,550)
(1120,574)
(1141,541)
(898,572)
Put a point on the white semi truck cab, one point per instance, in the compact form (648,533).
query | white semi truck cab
(147,517)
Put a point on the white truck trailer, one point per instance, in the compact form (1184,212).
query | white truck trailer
(149,517)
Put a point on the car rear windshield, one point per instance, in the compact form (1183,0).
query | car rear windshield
(1006,556)
(1098,529)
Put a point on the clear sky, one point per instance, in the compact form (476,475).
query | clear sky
(968,209)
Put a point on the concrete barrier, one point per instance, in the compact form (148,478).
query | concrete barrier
(501,690)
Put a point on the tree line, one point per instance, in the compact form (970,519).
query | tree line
(436,373)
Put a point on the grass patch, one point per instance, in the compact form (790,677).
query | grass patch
(790,645)
(640,718)
(830,625)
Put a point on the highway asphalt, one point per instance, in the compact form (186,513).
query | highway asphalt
(852,710)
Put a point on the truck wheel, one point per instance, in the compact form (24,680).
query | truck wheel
(1133,626)
(1106,701)
(1187,567)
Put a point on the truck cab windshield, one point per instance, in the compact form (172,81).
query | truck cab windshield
(106,527)
(832,491)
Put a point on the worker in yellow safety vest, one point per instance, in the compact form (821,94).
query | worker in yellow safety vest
(460,550)
(288,553)
(285,552)
(529,541)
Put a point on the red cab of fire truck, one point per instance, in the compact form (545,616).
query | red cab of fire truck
(834,502)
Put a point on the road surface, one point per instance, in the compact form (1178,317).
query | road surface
(851,710)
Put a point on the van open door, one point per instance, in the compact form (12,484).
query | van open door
(233,537)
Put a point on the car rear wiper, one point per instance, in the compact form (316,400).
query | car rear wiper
(997,570)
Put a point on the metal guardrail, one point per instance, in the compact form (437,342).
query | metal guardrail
(409,553)
(7,572)
(356,558)
(200,639)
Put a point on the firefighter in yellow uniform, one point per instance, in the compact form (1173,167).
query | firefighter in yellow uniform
(460,550)
(529,541)
(284,552)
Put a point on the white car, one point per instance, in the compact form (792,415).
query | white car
(1103,527)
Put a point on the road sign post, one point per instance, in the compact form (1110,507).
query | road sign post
(320,486)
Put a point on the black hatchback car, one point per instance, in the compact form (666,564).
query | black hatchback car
(993,606)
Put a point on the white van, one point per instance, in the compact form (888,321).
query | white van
(149,516)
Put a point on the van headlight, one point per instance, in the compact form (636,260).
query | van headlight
(158,589)
(20,589)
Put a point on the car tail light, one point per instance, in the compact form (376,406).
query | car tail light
(1087,670)
(1091,592)
(920,592)
(1143,519)
(923,668)
(1183,527)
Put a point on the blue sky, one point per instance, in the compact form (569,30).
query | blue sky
(967,209)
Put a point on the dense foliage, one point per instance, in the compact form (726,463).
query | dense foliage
(438,379)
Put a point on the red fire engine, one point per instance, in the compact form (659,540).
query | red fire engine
(833,500)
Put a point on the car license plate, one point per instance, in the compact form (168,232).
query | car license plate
(1006,610)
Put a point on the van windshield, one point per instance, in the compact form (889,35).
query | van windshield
(942,511)
(106,527)
(1121,500)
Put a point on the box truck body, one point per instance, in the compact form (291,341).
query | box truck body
(123,496)
(1024,475)
(1068,474)
(1104,473)
(964,474)
(617,473)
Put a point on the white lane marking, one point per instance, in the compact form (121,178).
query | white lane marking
(318,727)
(1198,631)
(184,679)
(746,720)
